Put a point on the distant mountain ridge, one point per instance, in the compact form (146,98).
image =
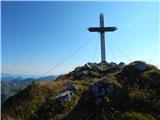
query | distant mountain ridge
(10,76)
(10,85)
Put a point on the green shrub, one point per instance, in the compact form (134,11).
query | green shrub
(157,105)
(94,74)
(137,116)
(138,96)
(112,80)
(153,74)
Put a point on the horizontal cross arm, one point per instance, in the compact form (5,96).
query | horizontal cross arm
(102,29)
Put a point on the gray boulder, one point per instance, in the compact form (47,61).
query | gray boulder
(70,86)
(64,96)
(141,66)
(78,74)
(121,65)
(110,89)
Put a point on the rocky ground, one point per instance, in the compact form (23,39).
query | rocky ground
(104,91)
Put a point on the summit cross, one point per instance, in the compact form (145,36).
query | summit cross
(102,31)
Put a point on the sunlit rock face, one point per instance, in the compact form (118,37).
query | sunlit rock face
(64,96)
(96,69)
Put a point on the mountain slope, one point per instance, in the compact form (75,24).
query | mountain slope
(9,88)
(104,91)
(14,85)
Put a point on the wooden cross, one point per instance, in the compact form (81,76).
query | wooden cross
(102,31)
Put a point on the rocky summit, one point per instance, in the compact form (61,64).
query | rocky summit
(103,91)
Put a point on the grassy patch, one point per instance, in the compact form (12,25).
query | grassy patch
(137,116)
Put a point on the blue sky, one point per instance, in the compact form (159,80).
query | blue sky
(38,35)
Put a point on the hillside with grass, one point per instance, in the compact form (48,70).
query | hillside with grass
(95,91)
